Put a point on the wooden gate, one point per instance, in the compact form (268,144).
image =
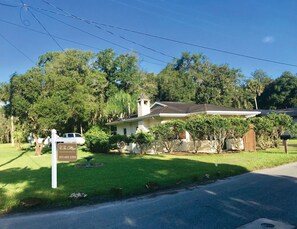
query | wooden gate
(250,139)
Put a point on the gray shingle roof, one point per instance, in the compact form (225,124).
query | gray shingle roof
(187,108)
(180,108)
(289,111)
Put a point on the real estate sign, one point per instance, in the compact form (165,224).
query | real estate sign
(67,152)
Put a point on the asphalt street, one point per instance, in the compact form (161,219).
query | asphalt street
(230,203)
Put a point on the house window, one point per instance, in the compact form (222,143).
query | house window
(125,131)
(113,130)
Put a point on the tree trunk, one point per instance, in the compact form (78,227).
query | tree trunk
(38,146)
(7,138)
(195,148)
(256,103)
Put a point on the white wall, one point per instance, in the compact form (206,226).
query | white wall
(130,128)
(144,125)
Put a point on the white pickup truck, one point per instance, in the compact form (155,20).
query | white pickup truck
(72,138)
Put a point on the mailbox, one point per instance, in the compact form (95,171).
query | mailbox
(285,136)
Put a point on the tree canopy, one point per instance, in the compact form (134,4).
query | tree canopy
(193,78)
(75,90)
(280,93)
(257,84)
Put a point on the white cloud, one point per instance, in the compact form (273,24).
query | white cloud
(268,40)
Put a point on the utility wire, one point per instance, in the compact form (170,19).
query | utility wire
(3,4)
(86,21)
(96,36)
(33,15)
(67,14)
(15,2)
(20,51)
(155,36)
(63,39)
(40,32)
(173,40)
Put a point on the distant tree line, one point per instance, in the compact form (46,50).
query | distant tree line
(74,90)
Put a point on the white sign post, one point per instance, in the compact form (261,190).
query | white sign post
(54,158)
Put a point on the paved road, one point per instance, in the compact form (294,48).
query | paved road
(270,193)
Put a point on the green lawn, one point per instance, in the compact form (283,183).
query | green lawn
(23,175)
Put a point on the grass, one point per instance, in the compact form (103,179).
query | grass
(23,175)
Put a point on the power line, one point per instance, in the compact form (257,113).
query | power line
(38,10)
(108,31)
(33,15)
(67,14)
(15,2)
(158,37)
(174,40)
(40,32)
(199,46)
(152,62)
(96,36)
(64,39)
(3,4)
(20,51)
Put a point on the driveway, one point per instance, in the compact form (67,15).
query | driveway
(230,203)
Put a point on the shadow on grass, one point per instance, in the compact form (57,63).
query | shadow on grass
(130,174)
(227,204)
(15,158)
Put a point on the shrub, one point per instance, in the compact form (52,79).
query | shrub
(281,122)
(168,132)
(293,130)
(119,141)
(269,128)
(219,128)
(19,138)
(264,130)
(143,140)
(239,127)
(215,127)
(46,149)
(198,129)
(97,140)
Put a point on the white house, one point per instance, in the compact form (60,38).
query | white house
(149,115)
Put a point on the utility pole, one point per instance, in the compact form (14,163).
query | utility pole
(12,131)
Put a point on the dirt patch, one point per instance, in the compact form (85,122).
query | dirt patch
(30,202)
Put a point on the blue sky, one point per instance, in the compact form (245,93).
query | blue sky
(261,28)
